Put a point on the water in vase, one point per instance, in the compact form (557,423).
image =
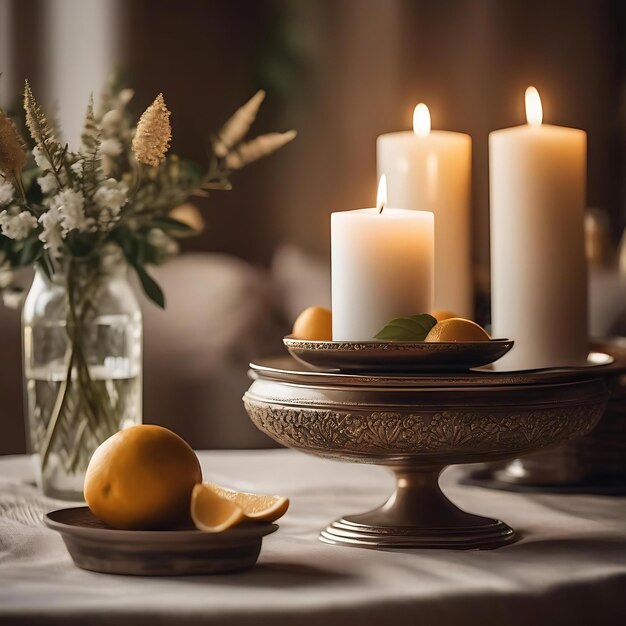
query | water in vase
(69,421)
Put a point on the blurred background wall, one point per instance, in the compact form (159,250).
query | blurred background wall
(341,72)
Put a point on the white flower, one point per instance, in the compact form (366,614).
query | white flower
(70,206)
(111,121)
(7,192)
(48,183)
(111,148)
(51,234)
(157,238)
(108,165)
(110,197)
(77,168)
(17,225)
(12,298)
(6,278)
(165,245)
(125,96)
(41,159)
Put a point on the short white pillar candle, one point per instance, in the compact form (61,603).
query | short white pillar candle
(382,268)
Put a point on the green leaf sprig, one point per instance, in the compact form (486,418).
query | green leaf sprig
(413,328)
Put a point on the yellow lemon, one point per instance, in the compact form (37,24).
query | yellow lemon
(215,508)
(457,329)
(443,315)
(142,478)
(314,324)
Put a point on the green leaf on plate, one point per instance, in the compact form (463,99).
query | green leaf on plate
(413,328)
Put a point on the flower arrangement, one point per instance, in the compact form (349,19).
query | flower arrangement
(73,213)
(118,188)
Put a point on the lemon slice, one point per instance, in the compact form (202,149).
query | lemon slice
(256,507)
(211,513)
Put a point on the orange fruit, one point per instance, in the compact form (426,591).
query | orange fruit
(314,324)
(254,506)
(211,513)
(443,315)
(215,508)
(142,478)
(457,329)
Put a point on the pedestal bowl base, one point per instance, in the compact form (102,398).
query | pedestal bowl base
(416,425)
(418,515)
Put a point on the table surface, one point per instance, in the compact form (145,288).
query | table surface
(569,566)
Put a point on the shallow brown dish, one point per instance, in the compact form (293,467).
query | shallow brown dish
(95,546)
(396,356)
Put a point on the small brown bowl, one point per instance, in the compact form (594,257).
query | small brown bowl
(95,546)
(396,356)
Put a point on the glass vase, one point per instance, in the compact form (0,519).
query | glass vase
(82,351)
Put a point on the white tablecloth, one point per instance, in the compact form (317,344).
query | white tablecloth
(569,566)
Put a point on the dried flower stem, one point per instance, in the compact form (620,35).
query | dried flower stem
(12,153)
(19,183)
(98,408)
(153,134)
(236,127)
(258,148)
(43,134)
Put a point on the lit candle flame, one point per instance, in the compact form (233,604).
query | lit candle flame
(421,120)
(534,111)
(381,196)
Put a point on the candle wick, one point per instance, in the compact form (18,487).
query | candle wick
(381,196)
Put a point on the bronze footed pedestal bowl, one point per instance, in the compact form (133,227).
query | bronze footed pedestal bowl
(416,425)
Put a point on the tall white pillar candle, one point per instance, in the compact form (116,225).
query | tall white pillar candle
(431,171)
(538,269)
(382,268)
